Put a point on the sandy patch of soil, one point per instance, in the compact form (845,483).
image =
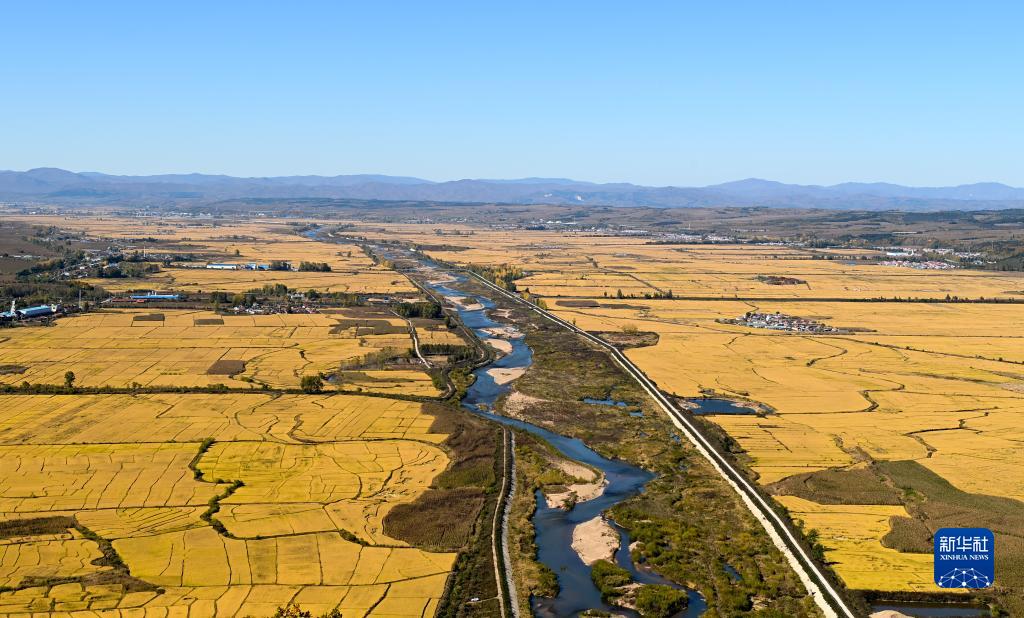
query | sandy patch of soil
(502,332)
(501,345)
(591,488)
(577,470)
(441,280)
(466,303)
(516,402)
(595,540)
(504,376)
(581,491)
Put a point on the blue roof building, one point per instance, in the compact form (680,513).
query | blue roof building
(36,312)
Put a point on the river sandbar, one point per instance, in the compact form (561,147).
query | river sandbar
(503,375)
(466,303)
(501,345)
(594,540)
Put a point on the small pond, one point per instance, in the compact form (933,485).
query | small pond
(719,406)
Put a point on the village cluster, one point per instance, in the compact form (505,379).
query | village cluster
(927,265)
(781,321)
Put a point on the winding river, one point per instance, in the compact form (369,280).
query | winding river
(554,526)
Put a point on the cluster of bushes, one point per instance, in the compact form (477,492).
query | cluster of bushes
(276,289)
(343,299)
(376,360)
(125,269)
(34,293)
(609,578)
(418,310)
(454,352)
(660,601)
(311,384)
(133,387)
(115,266)
(53,265)
(503,275)
(235,300)
(652,600)
(213,506)
(294,611)
(317,267)
(667,294)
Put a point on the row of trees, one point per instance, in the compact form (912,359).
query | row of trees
(318,267)
(419,310)
(503,275)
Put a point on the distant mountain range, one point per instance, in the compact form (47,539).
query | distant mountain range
(61,186)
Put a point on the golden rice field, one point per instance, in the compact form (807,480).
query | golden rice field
(132,472)
(216,504)
(854,532)
(238,281)
(196,348)
(589,266)
(938,383)
(237,243)
(948,402)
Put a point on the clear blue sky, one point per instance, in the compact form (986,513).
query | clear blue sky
(684,93)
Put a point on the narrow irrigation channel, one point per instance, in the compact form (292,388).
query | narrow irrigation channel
(554,526)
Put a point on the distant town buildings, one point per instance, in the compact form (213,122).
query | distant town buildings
(248,266)
(926,265)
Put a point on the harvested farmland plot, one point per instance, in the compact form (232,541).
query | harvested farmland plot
(180,348)
(301,483)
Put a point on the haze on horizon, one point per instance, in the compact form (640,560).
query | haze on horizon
(918,94)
